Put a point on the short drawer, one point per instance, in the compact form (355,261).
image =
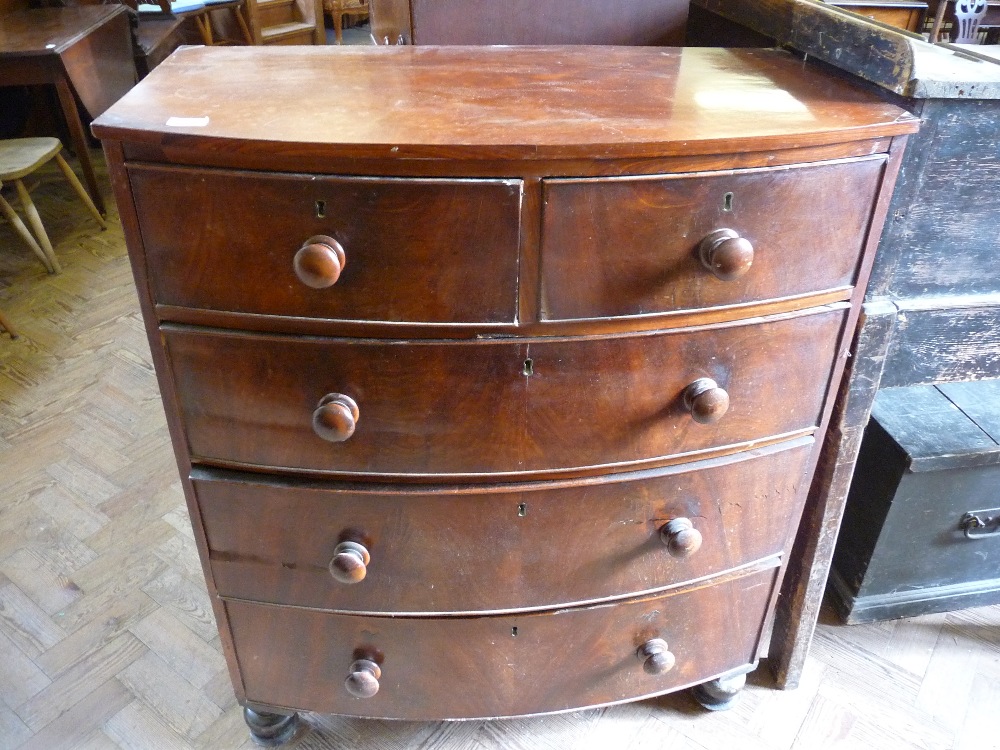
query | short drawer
(494,407)
(614,247)
(440,668)
(474,549)
(415,250)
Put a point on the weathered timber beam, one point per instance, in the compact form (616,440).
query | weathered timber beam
(894,59)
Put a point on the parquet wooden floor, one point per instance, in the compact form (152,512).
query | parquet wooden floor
(106,634)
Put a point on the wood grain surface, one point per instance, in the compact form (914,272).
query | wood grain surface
(497,666)
(496,407)
(943,232)
(416,250)
(629,246)
(526,103)
(450,549)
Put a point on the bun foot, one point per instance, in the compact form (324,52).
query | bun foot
(720,694)
(271,730)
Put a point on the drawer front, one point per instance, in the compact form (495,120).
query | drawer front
(468,408)
(438,668)
(476,550)
(415,250)
(624,247)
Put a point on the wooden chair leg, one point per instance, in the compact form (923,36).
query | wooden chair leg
(80,190)
(5,323)
(35,222)
(244,28)
(204,24)
(15,221)
(338,26)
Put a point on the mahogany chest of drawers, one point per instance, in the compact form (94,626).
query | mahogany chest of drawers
(496,377)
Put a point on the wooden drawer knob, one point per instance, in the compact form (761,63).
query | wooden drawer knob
(319,261)
(706,401)
(727,255)
(681,537)
(362,682)
(350,562)
(656,657)
(336,417)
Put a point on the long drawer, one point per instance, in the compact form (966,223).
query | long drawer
(423,250)
(476,549)
(497,406)
(437,668)
(630,246)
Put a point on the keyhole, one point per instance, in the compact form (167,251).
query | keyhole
(513,632)
(522,510)
(529,368)
(320,209)
(727,202)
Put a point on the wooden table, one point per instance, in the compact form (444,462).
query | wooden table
(84,51)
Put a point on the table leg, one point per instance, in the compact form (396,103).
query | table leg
(79,141)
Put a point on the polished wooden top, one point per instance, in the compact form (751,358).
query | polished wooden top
(496,102)
(47,31)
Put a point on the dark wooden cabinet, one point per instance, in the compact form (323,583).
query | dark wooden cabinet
(932,311)
(504,399)
(921,530)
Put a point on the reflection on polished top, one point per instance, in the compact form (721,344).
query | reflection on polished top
(528,102)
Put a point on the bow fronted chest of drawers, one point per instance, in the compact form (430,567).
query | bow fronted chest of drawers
(496,377)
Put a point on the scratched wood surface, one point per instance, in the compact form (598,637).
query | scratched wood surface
(106,634)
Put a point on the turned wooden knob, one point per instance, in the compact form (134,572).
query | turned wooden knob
(727,255)
(656,657)
(350,562)
(681,537)
(362,682)
(336,417)
(319,261)
(706,401)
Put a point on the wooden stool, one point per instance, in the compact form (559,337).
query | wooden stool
(5,324)
(20,157)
